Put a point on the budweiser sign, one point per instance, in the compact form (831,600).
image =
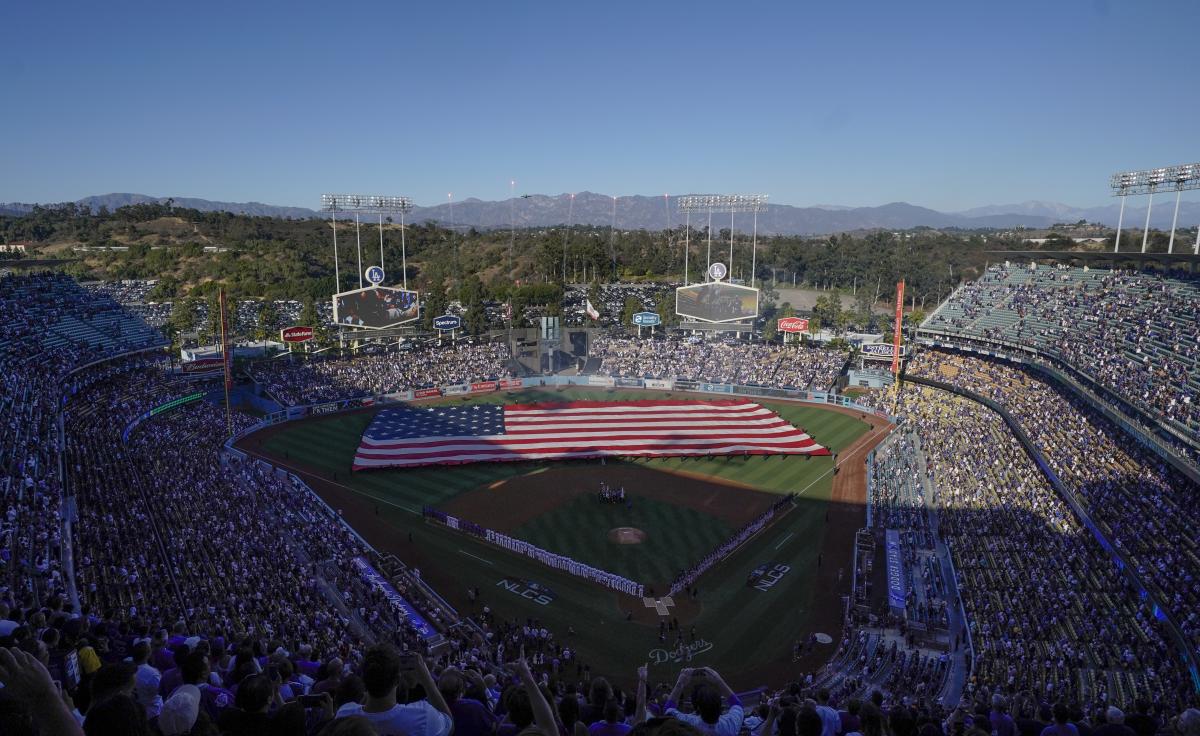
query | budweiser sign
(793,324)
(296,334)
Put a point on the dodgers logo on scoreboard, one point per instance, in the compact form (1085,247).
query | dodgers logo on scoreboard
(447,322)
(717,271)
(375,274)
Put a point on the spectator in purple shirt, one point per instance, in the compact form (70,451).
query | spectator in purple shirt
(1002,723)
(612,725)
(471,717)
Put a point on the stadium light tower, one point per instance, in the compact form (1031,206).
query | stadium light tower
(364,204)
(1183,178)
(731,203)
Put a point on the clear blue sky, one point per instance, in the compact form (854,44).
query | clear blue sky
(944,104)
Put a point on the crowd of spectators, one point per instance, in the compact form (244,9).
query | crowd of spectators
(48,327)
(315,380)
(1143,505)
(1031,578)
(220,597)
(736,362)
(1135,333)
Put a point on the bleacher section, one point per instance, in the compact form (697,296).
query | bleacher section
(1137,334)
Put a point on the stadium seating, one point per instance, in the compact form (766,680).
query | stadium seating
(1138,334)
(199,561)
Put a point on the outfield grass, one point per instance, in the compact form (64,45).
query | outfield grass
(744,626)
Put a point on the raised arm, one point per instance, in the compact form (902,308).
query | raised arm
(639,715)
(543,714)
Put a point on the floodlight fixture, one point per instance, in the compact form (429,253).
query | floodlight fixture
(722,203)
(1178,178)
(365,204)
(1181,178)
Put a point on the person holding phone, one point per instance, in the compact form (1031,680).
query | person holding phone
(385,671)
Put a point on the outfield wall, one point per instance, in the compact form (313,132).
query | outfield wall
(825,398)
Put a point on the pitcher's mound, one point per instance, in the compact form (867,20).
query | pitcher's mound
(626,535)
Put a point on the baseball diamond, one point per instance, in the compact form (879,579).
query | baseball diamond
(679,510)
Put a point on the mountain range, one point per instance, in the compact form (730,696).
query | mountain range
(650,212)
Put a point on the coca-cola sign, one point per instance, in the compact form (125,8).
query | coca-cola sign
(793,324)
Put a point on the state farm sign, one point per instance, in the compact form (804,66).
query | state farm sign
(793,324)
(296,334)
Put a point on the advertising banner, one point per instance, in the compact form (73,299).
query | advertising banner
(895,570)
(425,393)
(397,601)
(296,333)
(881,350)
(647,319)
(665,384)
(628,382)
(793,324)
(509,383)
(601,381)
(327,408)
(483,387)
(447,322)
(453,390)
(203,365)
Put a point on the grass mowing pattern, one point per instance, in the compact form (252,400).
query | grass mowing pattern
(676,536)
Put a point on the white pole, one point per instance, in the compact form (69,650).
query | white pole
(403,252)
(754,249)
(687,242)
(612,239)
(567,235)
(1174,220)
(337,276)
(709,257)
(1120,219)
(1146,232)
(730,246)
(358,240)
(381,241)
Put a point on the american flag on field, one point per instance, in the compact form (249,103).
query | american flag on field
(450,435)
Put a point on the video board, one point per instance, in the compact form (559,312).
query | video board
(717,302)
(375,307)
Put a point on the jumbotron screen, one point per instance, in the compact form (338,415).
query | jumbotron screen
(717,302)
(375,307)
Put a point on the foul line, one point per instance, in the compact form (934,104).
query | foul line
(468,554)
(862,445)
(784,540)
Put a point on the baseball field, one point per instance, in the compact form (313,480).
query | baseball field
(677,511)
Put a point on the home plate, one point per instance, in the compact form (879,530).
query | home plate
(659,604)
